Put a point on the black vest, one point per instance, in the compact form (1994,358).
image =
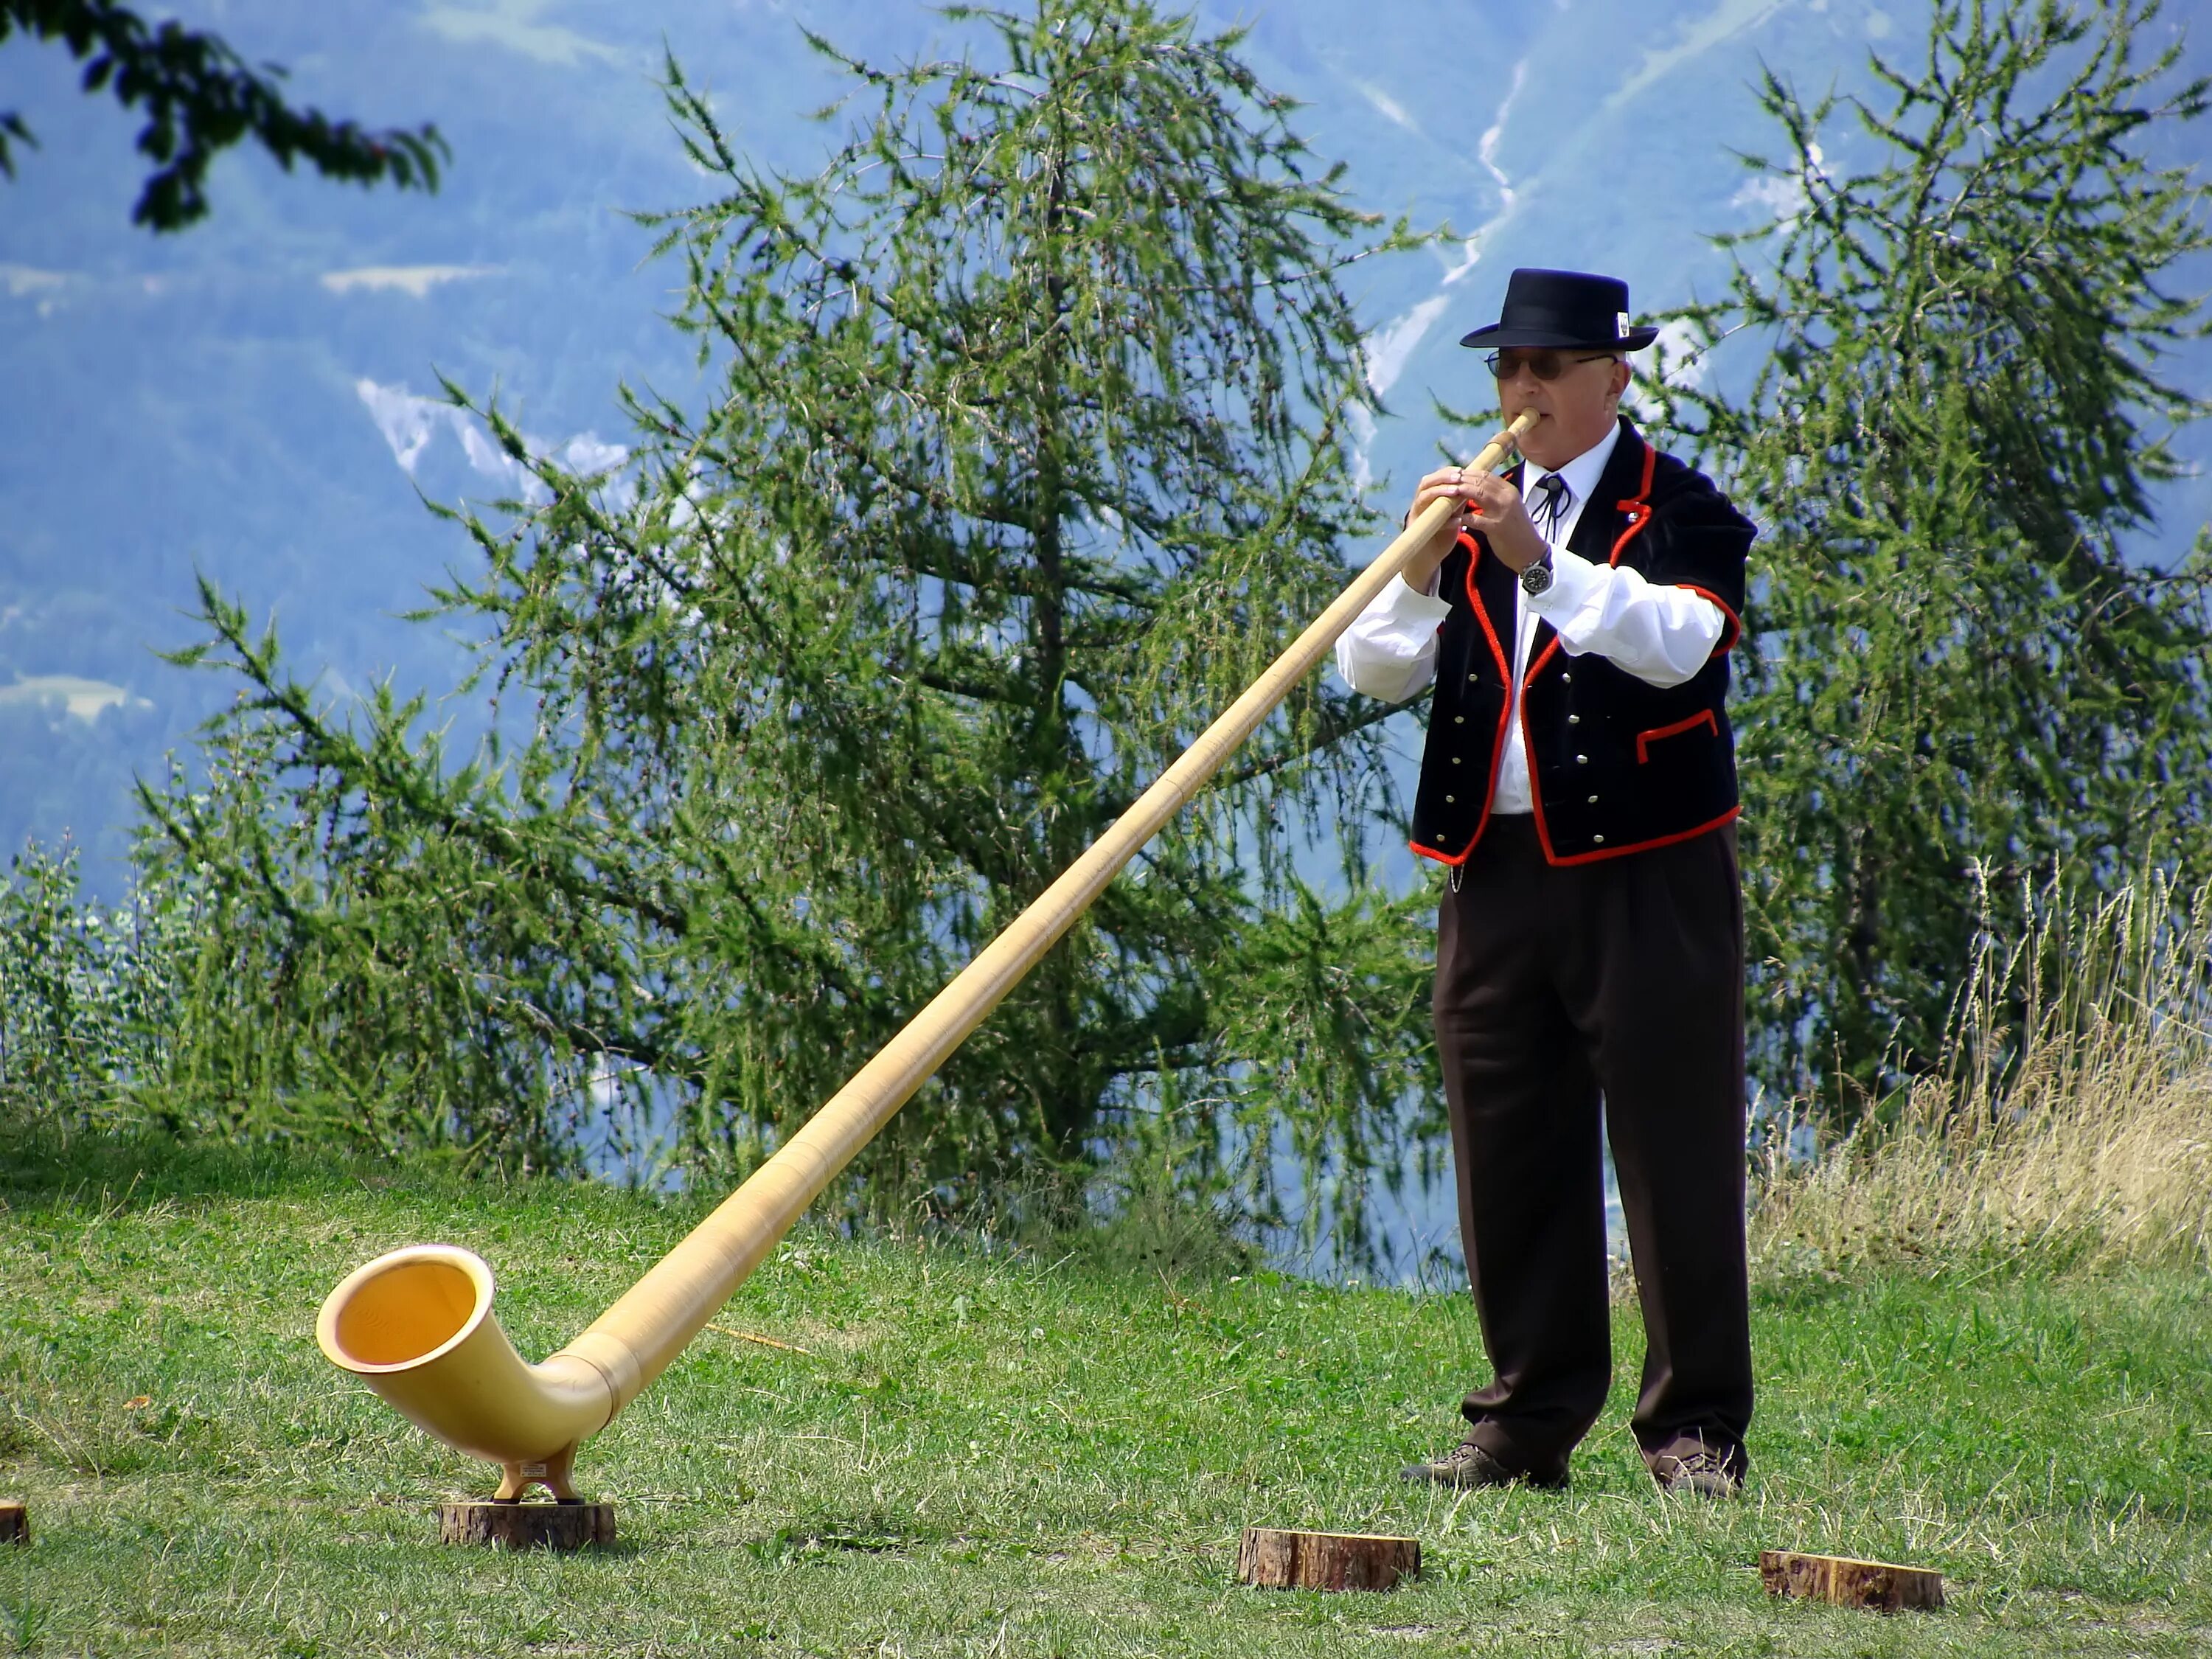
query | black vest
(1615,763)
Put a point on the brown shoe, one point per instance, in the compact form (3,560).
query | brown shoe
(1689,1464)
(1467,1465)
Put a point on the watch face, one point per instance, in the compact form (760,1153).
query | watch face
(1536,579)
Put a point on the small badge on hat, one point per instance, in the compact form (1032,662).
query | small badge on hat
(1621,324)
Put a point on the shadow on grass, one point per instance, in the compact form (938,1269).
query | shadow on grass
(43,1169)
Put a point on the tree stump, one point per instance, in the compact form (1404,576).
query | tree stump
(14,1522)
(561,1526)
(1275,1559)
(1881,1585)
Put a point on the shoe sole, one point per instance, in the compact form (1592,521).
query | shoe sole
(1421,1472)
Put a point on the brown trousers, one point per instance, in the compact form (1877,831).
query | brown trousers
(1556,987)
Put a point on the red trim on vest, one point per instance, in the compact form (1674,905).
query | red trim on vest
(1734,629)
(1474,552)
(1639,514)
(1446,857)
(1638,509)
(1556,862)
(1728,817)
(1481,612)
(1703,717)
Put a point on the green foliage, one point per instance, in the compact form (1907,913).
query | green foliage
(84,992)
(1025,455)
(200,98)
(1951,665)
(209,1003)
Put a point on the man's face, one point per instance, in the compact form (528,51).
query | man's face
(1576,406)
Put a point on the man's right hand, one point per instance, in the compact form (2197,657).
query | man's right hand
(1485,501)
(1445,483)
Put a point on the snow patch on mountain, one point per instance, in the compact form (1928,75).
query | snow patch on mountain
(75,694)
(1693,40)
(408,422)
(1485,150)
(416,281)
(1363,443)
(515,25)
(1390,346)
(1470,257)
(1508,198)
(1675,361)
(20,280)
(1781,197)
(1388,107)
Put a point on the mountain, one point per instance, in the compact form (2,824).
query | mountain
(248,399)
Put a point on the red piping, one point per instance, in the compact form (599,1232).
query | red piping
(1504,677)
(1733,813)
(1734,629)
(1703,717)
(1639,514)
(1638,509)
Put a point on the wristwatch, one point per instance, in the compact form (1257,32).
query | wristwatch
(1537,578)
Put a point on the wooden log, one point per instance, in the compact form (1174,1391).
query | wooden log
(1881,1585)
(1276,1559)
(14,1522)
(560,1526)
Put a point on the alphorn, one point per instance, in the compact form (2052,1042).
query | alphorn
(416,1324)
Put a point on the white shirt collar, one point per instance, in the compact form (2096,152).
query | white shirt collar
(1581,474)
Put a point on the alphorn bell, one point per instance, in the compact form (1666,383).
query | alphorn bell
(416,1324)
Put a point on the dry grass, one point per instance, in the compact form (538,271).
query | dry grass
(2070,1118)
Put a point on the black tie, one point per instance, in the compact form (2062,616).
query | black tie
(1553,489)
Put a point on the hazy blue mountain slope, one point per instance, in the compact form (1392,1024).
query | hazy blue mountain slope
(238,400)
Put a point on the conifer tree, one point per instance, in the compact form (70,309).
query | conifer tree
(1952,664)
(1024,452)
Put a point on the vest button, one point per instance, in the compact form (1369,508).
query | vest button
(1582,760)
(1450,800)
(1574,719)
(1566,679)
(1458,719)
(1597,840)
(1593,800)
(1455,760)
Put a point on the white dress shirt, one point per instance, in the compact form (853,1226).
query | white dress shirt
(1662,635)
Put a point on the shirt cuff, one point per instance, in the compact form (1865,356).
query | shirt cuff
(1572,578)
(1407,604)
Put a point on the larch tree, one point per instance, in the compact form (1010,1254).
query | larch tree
(1024,452)
(1955,674)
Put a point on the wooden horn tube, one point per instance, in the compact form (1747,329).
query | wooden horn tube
(416,1326)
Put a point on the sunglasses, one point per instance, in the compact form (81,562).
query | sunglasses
(1544,365)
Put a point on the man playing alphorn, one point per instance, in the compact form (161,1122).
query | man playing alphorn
(1579,783)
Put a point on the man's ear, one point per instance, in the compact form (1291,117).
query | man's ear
(1622,374)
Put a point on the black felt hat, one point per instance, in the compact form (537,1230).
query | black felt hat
(1565,310)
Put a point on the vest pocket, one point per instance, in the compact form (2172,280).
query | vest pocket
(1644,740)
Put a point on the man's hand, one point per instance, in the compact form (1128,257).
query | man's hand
(1487,504)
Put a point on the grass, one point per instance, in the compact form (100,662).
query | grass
(2068,1121)
(1001,1454)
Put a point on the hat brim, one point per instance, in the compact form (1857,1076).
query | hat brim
(1535,339)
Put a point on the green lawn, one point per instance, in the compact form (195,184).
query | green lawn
(1007,1455)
